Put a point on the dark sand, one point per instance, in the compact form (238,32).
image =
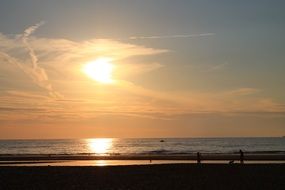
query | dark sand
(170,176)
(211,156)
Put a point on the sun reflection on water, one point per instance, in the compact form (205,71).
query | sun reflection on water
(100,145)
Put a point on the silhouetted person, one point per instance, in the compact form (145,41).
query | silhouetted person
(241,156)
(198,158)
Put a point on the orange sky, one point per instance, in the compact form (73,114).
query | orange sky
(135,76)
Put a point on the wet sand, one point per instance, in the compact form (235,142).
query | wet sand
(122,162)
(170,176)
(205,157)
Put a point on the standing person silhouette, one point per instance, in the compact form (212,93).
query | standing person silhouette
(241,157)
(198,158)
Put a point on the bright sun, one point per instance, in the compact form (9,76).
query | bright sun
(99,70)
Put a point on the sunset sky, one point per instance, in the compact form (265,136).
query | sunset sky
(142,68)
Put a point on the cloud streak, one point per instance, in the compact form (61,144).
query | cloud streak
(34,71)
(37,73)
(171,36)
(85,99)
(29,31)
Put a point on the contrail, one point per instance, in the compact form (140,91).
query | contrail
(25,38)
(30,72)
(171,36)
(37,73)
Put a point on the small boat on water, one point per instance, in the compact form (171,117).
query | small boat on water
(161,140)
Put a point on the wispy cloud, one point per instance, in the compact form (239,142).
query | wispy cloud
(217,67)
(172,36)
(25,39)
(37,73)
(63,56)
(56,63)
(34,71)
(244,91)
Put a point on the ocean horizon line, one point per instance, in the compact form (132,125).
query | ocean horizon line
(160,138)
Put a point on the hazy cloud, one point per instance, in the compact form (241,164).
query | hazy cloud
(37,73)
(216,67)
(243,91)
(56,64)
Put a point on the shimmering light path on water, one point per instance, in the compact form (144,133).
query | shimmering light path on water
(169,146)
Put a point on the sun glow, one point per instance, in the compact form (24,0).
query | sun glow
(100,145)
(99,70)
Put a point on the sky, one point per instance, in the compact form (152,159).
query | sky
(141,68)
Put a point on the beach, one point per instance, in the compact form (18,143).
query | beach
(135,164)
(162,176)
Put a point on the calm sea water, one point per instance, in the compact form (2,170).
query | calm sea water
(143,146)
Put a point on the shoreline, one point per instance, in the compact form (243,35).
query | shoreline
(203,156)
(76,163)
(113,160)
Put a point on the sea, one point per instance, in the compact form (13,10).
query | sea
(142,146)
